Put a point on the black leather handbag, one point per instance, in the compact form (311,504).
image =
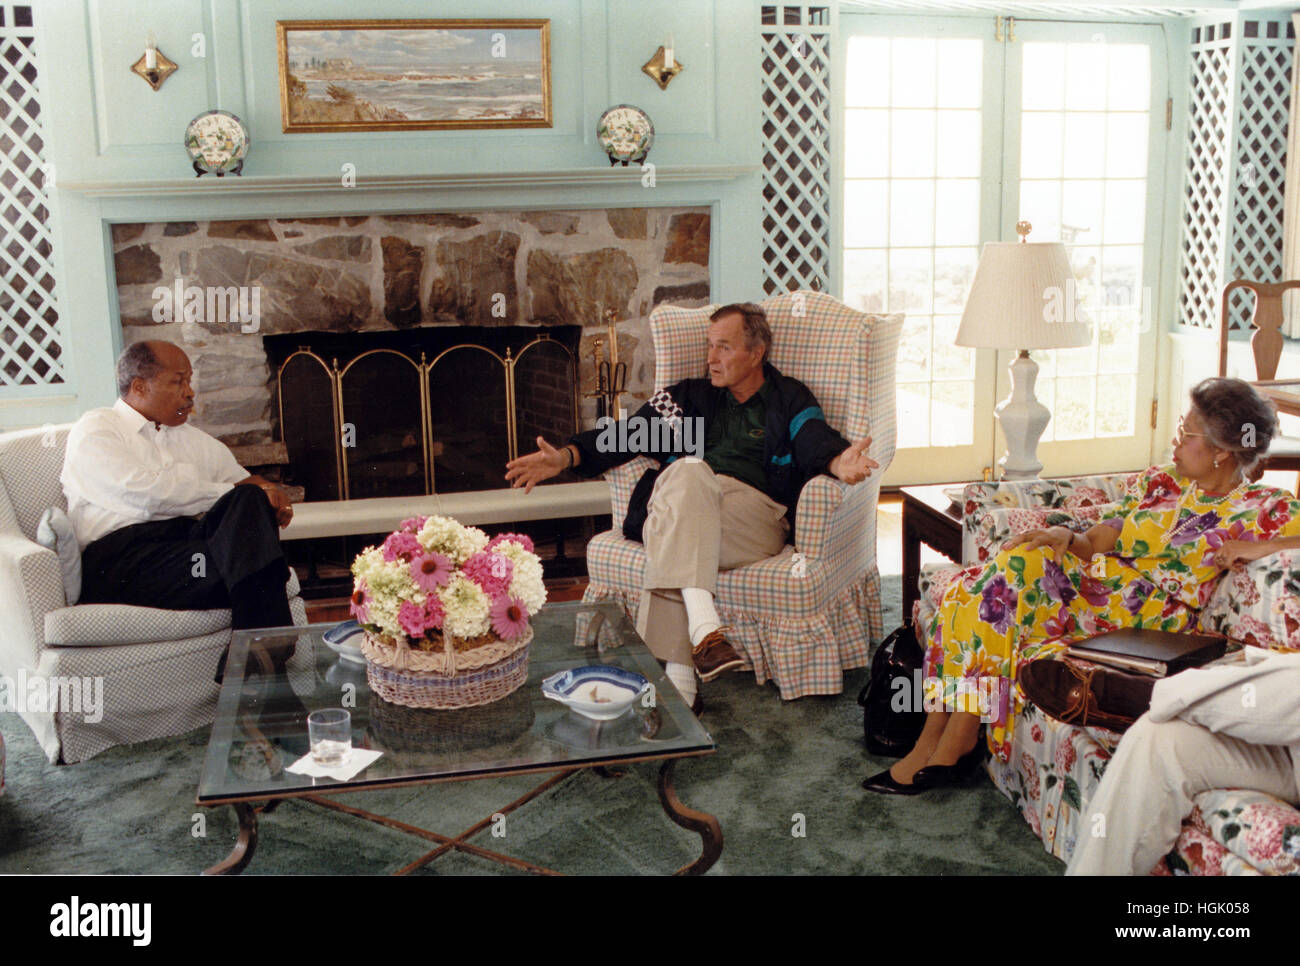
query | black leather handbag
(891,733)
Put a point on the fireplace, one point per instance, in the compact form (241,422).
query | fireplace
(430,410)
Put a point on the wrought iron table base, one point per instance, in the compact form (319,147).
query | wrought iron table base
(702,823)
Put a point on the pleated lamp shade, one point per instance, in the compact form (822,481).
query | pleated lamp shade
(1023,297)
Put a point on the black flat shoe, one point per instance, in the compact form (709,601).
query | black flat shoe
(885,784)
(965,771)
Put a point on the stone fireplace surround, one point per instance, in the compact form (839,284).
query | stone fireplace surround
(395,271)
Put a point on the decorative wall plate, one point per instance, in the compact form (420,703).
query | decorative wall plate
(626,133)
(217,142)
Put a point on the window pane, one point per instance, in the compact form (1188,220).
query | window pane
(1116,404)
(1040,204)
(1041,145)
(1044,77)
(1074,407)
(866,144)
(1126,140)
(913,414)
(960,73)
(912,138)
(959,144)
(866,214)
(911,212)
(1125,212)
(957,213)
(950,361)
(864,279)
(954,269)
(913,72)
(1085,77)
(914,349)
(952,413)
(1129,75)
(1081,208)
(1085,145)
(911,281)
(866,76)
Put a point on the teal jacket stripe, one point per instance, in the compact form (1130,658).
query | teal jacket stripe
(796,424)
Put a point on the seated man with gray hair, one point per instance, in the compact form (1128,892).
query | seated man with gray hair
(163,513)
(761,436)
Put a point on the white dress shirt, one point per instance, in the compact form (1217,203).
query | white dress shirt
(119,469)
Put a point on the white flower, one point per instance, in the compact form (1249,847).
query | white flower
(466,606)
(448,537)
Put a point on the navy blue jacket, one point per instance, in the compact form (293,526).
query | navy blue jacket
(797,445)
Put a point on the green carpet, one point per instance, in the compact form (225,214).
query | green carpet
(131,809)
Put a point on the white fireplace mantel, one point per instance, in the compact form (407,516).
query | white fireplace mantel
(561,178)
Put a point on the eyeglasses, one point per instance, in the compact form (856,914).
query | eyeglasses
(1182,433)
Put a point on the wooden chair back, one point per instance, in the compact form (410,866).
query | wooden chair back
(1266,343)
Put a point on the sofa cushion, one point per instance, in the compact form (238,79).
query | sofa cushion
(54,532)
(94,625)
(105,625)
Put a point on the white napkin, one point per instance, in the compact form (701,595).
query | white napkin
(356,760)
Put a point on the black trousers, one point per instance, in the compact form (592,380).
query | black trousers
(228,557)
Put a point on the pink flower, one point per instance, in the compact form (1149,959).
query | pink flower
(491,571)
(1036,732)
(360,606)
(1065,755)
(401,545)
(1029,771)
(522,539)
(417,619)
(411,617)
(509,618)
(413,524)
(430,571)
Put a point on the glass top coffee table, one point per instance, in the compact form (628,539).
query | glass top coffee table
(261,727)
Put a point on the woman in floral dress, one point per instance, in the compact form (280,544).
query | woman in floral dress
(1152,562)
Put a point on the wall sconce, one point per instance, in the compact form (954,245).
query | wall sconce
(154,66)
(663,67)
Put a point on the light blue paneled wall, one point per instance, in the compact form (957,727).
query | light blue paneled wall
(107,129)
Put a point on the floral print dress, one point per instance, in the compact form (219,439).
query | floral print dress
(1021,605)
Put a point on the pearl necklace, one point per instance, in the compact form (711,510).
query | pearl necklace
(1222,498)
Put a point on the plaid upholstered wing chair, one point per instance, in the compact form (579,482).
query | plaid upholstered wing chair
(156,666)
(798,623)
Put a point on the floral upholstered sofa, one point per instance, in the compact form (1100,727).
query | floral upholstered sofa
(1054,768)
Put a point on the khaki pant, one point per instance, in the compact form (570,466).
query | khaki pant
(698,524)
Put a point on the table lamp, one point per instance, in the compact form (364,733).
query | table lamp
(1023,298)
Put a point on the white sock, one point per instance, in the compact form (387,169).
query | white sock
(701,615)
(683,676)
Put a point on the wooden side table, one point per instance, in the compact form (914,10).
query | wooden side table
(930,518)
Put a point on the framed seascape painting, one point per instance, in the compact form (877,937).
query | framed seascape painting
(394,75)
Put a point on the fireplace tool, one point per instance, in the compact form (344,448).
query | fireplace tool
(615,372)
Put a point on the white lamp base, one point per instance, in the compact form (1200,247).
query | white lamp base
(1023,420)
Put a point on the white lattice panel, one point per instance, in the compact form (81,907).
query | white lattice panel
(30,338)
(1236,164)
(796,47)
(1255,248)
(1205,188)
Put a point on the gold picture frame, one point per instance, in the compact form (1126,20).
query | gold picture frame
(413,75)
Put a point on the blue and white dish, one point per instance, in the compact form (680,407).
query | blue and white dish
(345,641)
(599,692)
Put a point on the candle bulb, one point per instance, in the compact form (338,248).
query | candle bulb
(668,53)
(150,52)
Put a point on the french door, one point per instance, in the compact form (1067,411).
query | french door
(950,136)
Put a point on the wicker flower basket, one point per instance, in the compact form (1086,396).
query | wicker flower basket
(455,677)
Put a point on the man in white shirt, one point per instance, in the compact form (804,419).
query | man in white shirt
(164,514)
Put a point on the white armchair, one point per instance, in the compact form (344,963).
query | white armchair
(156,666)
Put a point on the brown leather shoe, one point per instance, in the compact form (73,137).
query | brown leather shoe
(1086,696)
(713,655)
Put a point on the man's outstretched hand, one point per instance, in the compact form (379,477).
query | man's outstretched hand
(528,471)
(854,465)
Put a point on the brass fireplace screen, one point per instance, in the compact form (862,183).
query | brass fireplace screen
(385,424)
